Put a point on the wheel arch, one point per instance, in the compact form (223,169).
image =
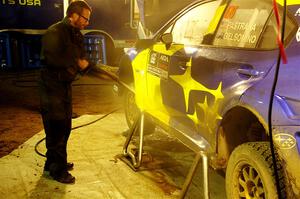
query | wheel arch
(240,124)
(126,70)
(125,73)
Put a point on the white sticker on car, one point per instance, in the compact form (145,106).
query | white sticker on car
(159,65)
(297,14)
(284,140)
(298,35)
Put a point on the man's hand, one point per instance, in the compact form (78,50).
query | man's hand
(83,64)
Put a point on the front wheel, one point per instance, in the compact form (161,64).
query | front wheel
(250,173)
(132,112)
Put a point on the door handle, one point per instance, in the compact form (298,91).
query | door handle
(183,67)
(248,72)
(182,63)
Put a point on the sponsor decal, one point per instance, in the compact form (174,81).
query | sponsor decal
(284,140)
(159,65)
(153,58)
(206,113)
(297,14)
(230,12)
(298,35)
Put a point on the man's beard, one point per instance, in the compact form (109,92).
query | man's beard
(78,25)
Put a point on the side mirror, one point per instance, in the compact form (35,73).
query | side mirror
(167,39)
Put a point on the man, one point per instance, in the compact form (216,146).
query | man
(64,57)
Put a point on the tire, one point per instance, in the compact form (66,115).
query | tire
(250,173)
(132,112)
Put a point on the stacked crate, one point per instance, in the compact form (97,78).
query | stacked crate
(95,48)
(24,50)
(30,49)
(5,52)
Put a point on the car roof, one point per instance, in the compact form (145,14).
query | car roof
(288,2)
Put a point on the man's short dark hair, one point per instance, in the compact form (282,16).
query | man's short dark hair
(77,6)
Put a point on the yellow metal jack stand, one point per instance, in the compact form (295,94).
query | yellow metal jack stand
(128,157)
(134,161)
(192,172)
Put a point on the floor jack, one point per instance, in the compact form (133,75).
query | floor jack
(135,160)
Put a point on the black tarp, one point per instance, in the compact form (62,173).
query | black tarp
(29,14)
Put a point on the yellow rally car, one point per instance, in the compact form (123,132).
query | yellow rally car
(206,76)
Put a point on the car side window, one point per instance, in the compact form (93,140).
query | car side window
(190,28)
(269,37)
(242,23)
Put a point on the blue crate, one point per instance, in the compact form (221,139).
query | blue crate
(30,49)
(95,48)
(5,52)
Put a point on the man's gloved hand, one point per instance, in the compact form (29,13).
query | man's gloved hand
(83,64)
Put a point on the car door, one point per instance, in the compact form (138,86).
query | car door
(218,60)
(170,82)
(246,41)
(245,56)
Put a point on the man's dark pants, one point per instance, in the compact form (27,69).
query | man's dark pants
(56,110)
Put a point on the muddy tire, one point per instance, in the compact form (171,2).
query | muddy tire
(132,112)
(250,173)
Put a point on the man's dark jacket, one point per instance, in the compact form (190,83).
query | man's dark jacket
(62,46)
